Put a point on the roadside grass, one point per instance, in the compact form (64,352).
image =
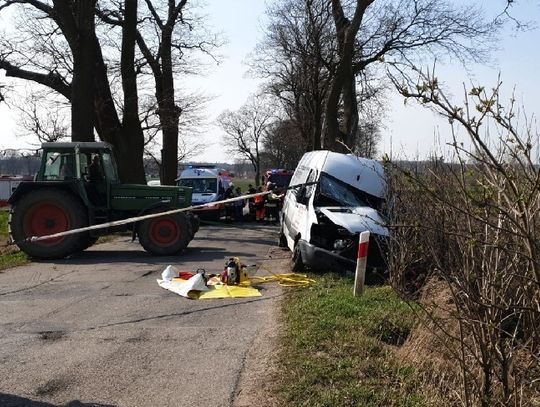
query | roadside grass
(339,350)
(243,183)
(10,256)
(4,216)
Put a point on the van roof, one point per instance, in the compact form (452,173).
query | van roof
(362,173)
(205,173)
(199,173)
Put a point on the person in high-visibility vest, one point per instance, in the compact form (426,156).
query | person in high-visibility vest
(259,205)
(272,205)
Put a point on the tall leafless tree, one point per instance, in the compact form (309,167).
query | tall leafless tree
(379,30)
(320,54)
(295,57)
(168,34)
(246,129)
(282,145)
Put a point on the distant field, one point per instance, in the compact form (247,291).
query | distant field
(243,183)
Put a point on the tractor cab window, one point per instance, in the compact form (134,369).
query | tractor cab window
(59,166)
(97,166)
(95,170)
(109,168)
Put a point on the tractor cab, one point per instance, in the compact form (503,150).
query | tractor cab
(68,161)
(89,164)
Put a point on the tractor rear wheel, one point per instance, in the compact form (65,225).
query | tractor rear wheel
(45,212)
(165,235)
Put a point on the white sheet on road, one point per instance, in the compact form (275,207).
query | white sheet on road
(195,283)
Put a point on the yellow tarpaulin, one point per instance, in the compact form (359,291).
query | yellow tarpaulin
(219,291)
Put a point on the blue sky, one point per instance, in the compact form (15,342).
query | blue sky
(409,130)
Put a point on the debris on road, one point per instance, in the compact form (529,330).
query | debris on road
(234,282)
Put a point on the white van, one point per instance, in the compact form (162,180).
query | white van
(209,184)
(321,223)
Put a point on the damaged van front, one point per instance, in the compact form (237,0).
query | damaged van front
(340,196)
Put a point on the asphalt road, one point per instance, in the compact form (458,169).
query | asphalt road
(97,330)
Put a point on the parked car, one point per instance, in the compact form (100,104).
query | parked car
(321,221)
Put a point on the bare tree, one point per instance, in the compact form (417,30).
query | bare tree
(47,121)
(282,145)
(192,126)
(295,57)
(43,60)
(246,128)
(379,30)
(2,91)
(165,37)
(323,58)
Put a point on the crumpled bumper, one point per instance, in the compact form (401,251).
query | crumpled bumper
(319,259)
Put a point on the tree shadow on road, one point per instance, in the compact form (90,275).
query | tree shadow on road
(97,256)
(221,304)
(10,400)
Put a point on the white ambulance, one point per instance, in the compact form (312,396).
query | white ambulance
(321,222)
(209,184)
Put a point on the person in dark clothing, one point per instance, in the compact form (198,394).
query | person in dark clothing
(229,207)
(238,206)
(94,187)
(251,202)
(271,205)
(94,171)
(229,192)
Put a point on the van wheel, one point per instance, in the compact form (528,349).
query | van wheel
(297,263)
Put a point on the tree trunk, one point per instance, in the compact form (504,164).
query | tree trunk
(168,112)
(350,109)
(343,81)
(82,86)
(131,144)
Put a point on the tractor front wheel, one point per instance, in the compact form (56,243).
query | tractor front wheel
(45,212)
(165,235)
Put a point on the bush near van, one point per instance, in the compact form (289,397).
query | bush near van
(321,222)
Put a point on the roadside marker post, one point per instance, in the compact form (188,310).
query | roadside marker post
(361,261)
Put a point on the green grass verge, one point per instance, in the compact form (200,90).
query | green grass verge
(338,350)
(4,216)
(12,259)
(243,183)
(10,256)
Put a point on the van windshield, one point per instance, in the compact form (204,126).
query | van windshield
(200,185)
(333,192)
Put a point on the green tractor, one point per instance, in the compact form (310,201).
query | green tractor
(77,186)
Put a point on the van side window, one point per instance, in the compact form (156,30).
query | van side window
(311,188)
(304,193)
